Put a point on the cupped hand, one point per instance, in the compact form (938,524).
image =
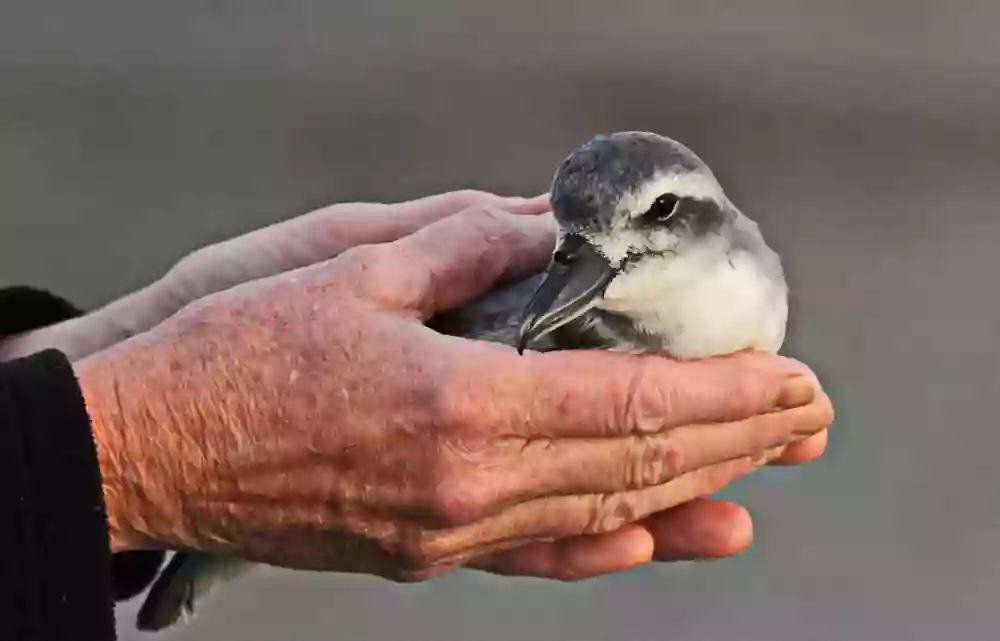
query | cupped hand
(311,420)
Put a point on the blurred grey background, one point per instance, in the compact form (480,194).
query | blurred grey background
(862,136)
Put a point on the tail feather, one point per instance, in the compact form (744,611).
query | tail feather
(170,598)
(187,578)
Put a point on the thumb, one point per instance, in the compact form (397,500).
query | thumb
(454,260)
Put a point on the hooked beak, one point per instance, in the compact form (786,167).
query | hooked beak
(573,284)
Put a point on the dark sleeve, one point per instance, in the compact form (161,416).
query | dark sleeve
(56,577)
(23,309)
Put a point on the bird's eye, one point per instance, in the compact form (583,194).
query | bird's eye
(561,257)
(662,210)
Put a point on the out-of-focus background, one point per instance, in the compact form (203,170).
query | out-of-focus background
(861,135)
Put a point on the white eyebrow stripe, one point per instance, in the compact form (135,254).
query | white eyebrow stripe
(701,185)
(620,238)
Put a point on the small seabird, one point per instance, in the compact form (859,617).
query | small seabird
(651,257)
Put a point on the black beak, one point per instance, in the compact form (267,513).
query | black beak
(575,280)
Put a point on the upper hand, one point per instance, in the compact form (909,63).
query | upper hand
(312,420)
(304,240)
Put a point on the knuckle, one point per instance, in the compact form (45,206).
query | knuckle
(489,219)
(187,264)
(454,409)
(640,404)
(469,197)
(610,512)
(186,274)
(360,260)
(820,416)
(749,395)
(803,421)
(651,461)
(416,553)
(764,431)
(456,488)
(379,271)
(485,220)
(452,502)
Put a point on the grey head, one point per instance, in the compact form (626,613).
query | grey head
(652,256)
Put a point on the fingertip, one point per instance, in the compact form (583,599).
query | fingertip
(533,205)
(580,557)
(595,555)
(701,529)
(740,532)
(804,451)
(763,361)
(629,546)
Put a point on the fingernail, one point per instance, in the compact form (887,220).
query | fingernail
(798,391)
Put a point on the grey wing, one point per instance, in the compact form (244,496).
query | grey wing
(494,316)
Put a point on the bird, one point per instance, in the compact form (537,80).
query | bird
(650,256)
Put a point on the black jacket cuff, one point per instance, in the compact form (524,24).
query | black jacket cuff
(54,528)
(23,309)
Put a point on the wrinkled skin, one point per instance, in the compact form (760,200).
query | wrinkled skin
(311,420)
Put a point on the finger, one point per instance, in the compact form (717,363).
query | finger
(452,261)
(700,529)
(804,451)
(440,206)
(532,206)
(326,232)
(603,466)
(560,517)
(576,558)
(600,394)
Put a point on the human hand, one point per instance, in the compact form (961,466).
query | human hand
(311,420)
(703,529)
(304,240)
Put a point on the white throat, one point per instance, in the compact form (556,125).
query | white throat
(704,301)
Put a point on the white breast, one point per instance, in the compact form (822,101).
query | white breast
(703,303)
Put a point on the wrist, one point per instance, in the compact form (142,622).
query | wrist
(131,521)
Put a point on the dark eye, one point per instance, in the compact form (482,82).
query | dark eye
(663,209)
(561,257)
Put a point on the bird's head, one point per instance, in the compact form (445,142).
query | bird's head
(628,205)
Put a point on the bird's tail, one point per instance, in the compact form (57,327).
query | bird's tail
(187,577)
